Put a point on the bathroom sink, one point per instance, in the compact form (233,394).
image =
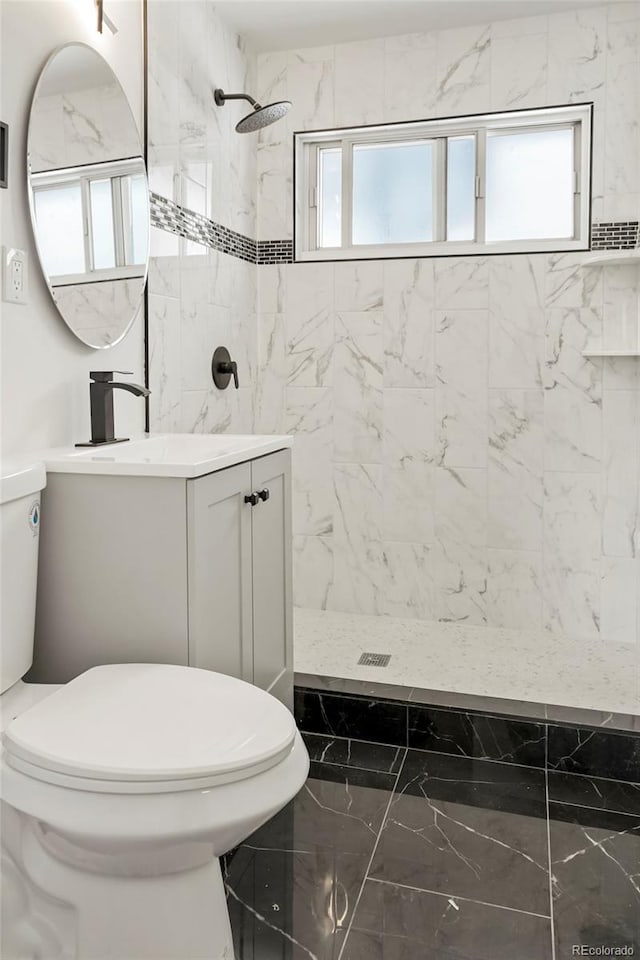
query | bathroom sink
(165,455)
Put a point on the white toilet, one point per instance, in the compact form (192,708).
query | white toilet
(121,789)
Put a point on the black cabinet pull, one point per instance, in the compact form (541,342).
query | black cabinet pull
(252,498)
(264,494)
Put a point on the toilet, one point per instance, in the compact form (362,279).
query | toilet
(121,789)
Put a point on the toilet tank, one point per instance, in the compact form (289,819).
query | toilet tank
(20,486)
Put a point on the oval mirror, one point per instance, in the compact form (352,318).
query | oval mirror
(88,195)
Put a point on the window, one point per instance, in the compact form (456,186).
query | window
(504,182)
(92,222)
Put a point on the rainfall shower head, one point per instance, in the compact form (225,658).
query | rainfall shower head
(261,116)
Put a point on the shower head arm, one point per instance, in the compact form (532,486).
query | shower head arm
(220,96)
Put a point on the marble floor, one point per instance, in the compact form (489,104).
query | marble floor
(472,661)
(395,854)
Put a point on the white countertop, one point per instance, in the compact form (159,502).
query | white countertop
(185,455)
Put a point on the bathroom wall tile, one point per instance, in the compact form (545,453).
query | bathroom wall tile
(309,417)
(573,392)
(514,589)
(460,552)
(515,484)
(461,352)
(577,55)
(621,473)
(310,88)
(568,284)
(359,573)
(571,587)
(272,280)
(275,186)
(164,364)
(409,297)
(521,27)
(359,83)
(270,381)
(312,571)
(358,286)
(516,324)
(310,324)
(357,387)
(621,129)
(620,308)
(462,283)
(518,71)
(408,451)
(409,582)
(463,58)
(620,587)
(410,76)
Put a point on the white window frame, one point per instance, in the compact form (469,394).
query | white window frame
(307,145)
(115,171)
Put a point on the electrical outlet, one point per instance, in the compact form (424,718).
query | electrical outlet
(14,275)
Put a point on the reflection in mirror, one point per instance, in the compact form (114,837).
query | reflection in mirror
(89,197)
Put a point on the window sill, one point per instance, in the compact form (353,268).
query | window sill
(430,251)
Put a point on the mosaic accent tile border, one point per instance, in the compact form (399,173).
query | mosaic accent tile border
(615,235)
(170,216)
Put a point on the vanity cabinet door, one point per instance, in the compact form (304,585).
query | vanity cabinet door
(219,572)
(272,600)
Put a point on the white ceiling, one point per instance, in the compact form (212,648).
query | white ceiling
(288,24)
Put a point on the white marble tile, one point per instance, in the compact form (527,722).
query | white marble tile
(272,280)
(310,324)
(310,88)
(357,387)
(460,552)
(621,309)
(409,298)
(462,283)
(309,417)
(270,381)
(407,482)
(515,475)
(571,583)
(514,589)
(620,591)
(621,473)
(516,322)
(359,571)
(577,55)
(463,58)
(275,190)
(568,284)
(164,364)
(518,71)
(409,580)
(622,129)
(573,392)
(461,353)
(521,27)
(410,76)
(312,571)
(358,286)
(359,83)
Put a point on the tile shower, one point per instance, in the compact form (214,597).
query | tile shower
(457,459)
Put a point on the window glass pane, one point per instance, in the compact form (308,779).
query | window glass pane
(392,193)
(330,197)
(60,229)
(134,200)
(461,194)
(530,185)
(104,255)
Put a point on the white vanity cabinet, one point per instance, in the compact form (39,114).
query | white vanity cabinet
(168,570)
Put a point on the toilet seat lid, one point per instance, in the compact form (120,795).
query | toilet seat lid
(152,722)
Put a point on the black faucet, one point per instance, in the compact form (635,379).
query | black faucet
(101,396)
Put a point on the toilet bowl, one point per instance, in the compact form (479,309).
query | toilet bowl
(119,792)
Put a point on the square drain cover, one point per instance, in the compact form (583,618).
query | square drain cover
(374,660)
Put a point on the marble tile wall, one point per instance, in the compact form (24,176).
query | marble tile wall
(199,296)
(457,458)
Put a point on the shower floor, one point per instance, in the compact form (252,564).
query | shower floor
(511,671)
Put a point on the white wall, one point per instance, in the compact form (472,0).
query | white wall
(44,369)
(456,456)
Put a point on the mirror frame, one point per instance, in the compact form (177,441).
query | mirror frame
(30,193)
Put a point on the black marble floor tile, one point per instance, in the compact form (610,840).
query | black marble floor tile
(474,735)
(595,864)
(398,923)
(615,795)
(354,753)
(467,828)
(594,753)
(382,721)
